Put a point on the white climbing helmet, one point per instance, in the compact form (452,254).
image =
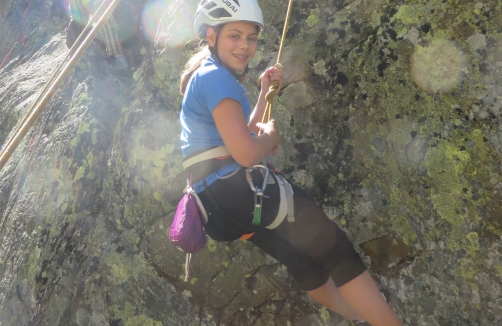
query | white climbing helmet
(217,12)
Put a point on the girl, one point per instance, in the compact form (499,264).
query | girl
(220,133)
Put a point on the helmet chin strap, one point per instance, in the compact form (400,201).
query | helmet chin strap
(214,52)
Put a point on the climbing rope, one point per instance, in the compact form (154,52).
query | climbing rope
(58,69)
(17,36)
(50,88)
(272,92)
(274,87)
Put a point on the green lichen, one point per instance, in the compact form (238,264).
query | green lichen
(498,268)
(142,320)
(400,222)
(82,127)
(469,271)
(83,100)
(122,268)
(130,318)
(447,186)
(120,272)
(95,136)
(495,229)
(80,173)
(313,18)
(461,158)
(32,263)
(472,244)
(325,316)
(411,14)
(211,245)
(151,160)
(258,57)
(320,67)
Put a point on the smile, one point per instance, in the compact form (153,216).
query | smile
(241,57)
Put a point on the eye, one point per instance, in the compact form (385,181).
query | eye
(235,36)
(253,39)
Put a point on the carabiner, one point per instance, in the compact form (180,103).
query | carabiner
(258,192)
(249,178)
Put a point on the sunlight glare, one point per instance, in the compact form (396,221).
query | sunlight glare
(438,66)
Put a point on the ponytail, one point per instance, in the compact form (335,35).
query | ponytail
(192,65)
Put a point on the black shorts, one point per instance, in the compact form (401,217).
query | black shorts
(313,248)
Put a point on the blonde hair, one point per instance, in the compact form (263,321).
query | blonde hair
(192,65)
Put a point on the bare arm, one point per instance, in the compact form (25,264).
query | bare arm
(232,127)
(270,75)
(258,112)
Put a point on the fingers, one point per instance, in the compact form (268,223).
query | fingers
(270,75)
(263,126)
(260,126)
(276,74)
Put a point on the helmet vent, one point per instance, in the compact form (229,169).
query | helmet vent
(210,5)
(219,12)
(237,2)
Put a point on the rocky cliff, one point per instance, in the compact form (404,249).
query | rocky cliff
(390,118)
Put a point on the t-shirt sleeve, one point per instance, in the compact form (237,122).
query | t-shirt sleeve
(216,86)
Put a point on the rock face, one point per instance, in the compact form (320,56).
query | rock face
(390,117)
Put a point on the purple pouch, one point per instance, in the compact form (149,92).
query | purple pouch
(187,232)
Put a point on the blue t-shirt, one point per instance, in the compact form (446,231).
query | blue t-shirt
(208,86)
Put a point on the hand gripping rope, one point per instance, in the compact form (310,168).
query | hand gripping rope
(272,91)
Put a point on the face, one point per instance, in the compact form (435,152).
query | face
(237,44)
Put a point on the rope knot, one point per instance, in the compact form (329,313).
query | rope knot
(272,91)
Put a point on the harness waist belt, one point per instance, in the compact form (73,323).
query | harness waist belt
(209,154)
(201,185)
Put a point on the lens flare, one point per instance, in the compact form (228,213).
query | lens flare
(77,10)
(150,17)
(170,24)
(438,66)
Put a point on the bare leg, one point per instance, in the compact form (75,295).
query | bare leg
(329,296)
(363,295)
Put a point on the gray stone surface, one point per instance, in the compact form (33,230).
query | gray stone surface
(389,117)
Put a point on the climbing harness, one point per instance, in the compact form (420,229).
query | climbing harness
(258,192)
(50,88)
(286,205)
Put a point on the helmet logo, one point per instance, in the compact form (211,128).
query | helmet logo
(230,5)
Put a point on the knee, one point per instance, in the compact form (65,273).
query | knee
(344,263)
(308,273)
